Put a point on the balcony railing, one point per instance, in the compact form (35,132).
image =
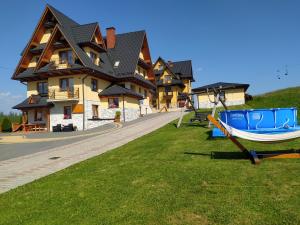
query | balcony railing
(168,94)
(61,95)
(54,66)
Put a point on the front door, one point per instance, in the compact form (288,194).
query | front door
(168,101)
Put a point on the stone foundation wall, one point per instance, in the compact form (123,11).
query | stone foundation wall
(57,117)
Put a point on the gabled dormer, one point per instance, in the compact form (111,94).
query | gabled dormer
(144,65)
(59,52)
(40,37)
(163,71)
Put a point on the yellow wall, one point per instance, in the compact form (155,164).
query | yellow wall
(230,95)
(54,82)
(157,65)
(93,95)
(46,36)
(33,62)
(163,100)
(88,50)
(129,102)
(141,71)
(55,57)
(187,88)
(141,56)
(32,88)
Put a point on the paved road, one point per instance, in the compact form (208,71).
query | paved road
(21,170)
(53,140)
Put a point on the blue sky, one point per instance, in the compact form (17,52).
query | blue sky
(245,41)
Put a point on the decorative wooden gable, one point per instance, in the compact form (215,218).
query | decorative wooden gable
(46,23)
(58,41)
(146,57)
(97,37)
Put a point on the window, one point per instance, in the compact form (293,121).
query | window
(67,112)
(94,84)
(145,93)
(132,87)
(160,67)
(66,84)
(42,88)
(93,57)
(168,78)
(116,64)
(65,57)
(38,115)
(113,103)
(222,95)
(167,89)
(140,90)
(95,111)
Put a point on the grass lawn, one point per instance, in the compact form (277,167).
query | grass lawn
(166,177)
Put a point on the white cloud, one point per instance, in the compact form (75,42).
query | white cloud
(4,94)
(8,100)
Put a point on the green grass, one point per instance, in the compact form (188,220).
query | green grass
(166,177)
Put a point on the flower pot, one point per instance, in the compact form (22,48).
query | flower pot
(117,119)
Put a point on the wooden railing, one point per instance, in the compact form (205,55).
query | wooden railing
(54,66)
(55,94)
(168,94)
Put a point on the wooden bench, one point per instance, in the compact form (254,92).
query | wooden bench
(200,116)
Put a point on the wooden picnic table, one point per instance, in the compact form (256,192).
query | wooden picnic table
(34,127)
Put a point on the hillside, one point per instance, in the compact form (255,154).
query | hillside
(289,97)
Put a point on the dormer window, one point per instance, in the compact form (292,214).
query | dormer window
(116,64)
(168,78)
(93,57)
(65,57)
(161,67)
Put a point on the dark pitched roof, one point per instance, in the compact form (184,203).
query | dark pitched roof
(38,102)
(116,90)
(159,72)
(126,51)
(221,86)
(84,33)
(62,18)
(183,69)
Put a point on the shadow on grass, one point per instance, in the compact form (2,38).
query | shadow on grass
(221,155)
(241,155)
(187,124)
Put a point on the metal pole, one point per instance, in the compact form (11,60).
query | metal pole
(123,109)
(83,99)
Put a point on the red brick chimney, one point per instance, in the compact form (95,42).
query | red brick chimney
(110,37)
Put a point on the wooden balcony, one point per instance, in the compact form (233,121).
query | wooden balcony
(168,94)
(61,95)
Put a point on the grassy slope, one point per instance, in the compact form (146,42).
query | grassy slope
(153,180)
(289,97)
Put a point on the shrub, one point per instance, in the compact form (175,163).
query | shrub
(6,125)
(118,114)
